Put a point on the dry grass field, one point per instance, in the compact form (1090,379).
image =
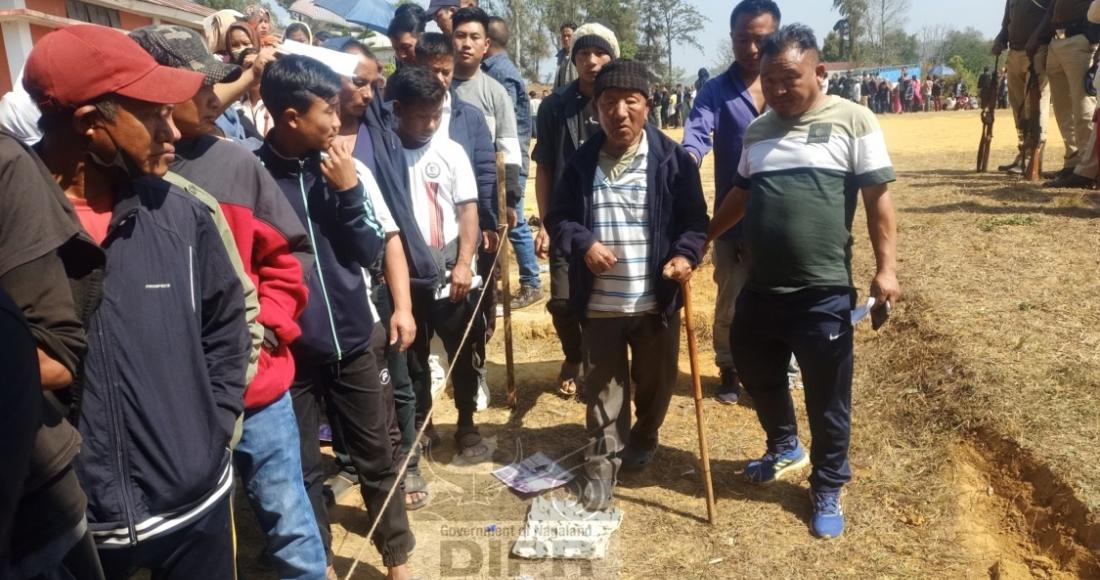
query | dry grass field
(976,423)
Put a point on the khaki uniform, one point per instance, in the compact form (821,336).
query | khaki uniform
(1021,19)
(1067,63)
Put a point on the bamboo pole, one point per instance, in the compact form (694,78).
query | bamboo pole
(506,283)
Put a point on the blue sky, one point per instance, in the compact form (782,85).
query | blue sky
(985,15)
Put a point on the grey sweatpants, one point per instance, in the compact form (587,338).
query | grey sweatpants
(639,353)
(730,274)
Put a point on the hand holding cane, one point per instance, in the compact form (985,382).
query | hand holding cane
(697,385)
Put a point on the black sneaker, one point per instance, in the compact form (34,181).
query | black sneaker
(634,459)
(1017,165)
(527,296)
(1071,181)
(729,390)
(1063,172)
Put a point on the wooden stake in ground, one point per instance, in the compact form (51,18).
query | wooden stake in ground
(697,385)
(506,284)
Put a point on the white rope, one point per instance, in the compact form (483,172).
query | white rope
(486,286)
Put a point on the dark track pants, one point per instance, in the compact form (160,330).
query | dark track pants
(814,324)
(448,320)
(566,323)
(360,396)
(403,394)
(203,549)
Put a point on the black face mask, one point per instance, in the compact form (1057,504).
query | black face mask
(238,57)
(122,162)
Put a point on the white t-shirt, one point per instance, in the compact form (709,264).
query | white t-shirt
(445,120)
(381,212)
(440,179)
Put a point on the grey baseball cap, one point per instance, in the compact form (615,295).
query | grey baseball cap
(180,47)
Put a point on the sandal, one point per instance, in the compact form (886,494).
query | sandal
(469,442)
(567,379)
(415,483)
(431,438)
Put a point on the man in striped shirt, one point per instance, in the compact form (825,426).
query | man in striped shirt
(630,216)
(805,162)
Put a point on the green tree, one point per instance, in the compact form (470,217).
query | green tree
(621,16)
(832,49)
(886,19)
(650,50)
(855,11)
(964,74)
(971,47)
(678,22)
(529,43)
(902,48)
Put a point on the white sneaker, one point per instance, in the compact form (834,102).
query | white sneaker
(438,375)
(482,393)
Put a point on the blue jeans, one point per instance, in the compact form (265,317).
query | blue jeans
(815,325)
(524,246)
(270,464)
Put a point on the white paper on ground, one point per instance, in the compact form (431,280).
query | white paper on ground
(861,312)
(535,474)
(562,528)
(344,64)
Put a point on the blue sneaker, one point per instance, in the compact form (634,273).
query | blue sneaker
(828,520)
(772,466)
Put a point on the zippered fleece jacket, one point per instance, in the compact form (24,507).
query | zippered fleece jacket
(168,347)
(347,241)
(272,244)
(677,215)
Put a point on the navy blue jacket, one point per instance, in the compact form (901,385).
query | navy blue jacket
(678,215)
(346,239)
(392,175)
(469,128)
(501,68)
(165,368)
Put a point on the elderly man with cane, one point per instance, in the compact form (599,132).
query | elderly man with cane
(805,163)
(630,215)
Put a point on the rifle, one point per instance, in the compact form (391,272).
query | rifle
(1033,145)
(989,111)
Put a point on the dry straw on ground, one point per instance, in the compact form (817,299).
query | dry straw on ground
(975,418)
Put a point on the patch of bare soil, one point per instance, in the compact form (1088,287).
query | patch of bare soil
(975,421)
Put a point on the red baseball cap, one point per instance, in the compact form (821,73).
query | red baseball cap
(74,65)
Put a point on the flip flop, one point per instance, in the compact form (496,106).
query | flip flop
(567,379)
(415,483)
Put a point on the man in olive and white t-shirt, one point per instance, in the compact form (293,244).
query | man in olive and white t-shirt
(444,201)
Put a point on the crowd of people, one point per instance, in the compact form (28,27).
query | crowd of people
(910,94)
(210,250)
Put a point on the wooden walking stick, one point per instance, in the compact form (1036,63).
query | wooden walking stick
(506,283)
(697,385)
